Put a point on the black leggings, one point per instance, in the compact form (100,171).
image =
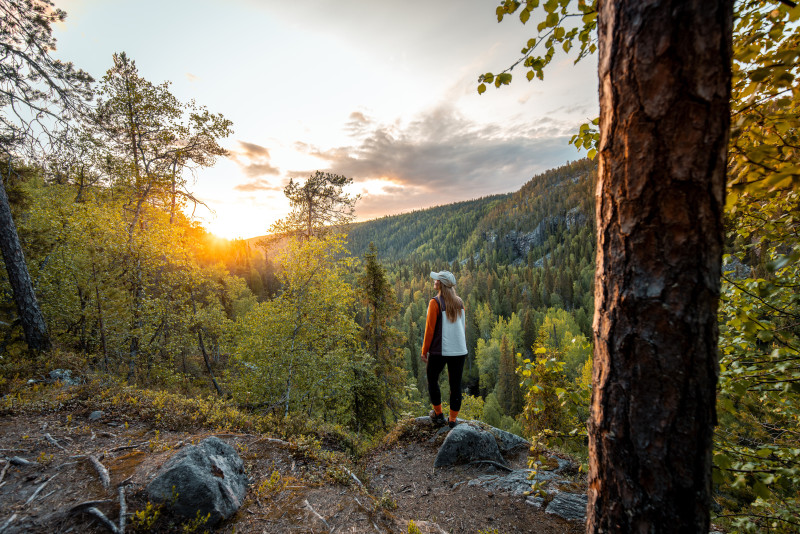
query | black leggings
(455,368)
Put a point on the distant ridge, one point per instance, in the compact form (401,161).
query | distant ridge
(504,226)
(491,225)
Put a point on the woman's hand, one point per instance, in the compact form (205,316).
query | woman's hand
(425,358)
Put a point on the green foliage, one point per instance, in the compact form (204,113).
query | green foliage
(756,454)
(143,520)
(197,524)
(318,205)
(382,341)
(765,130)
(295,352)
(508,391)
(555,30)
(492,412)
(471,407)
(487,356)
(556,407)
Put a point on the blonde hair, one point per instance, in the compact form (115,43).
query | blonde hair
(452,302)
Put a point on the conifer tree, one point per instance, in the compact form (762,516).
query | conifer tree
(317,203)
(509,394)
(383,341)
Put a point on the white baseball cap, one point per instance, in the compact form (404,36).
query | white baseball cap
(445,277)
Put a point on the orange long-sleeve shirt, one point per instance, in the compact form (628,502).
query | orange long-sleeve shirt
(430,324)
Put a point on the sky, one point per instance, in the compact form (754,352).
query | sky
(382,92)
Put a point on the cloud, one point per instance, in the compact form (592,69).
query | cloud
(252,150)
(357,124)
(258,185)
(191,77)
(253,159)
(442,157)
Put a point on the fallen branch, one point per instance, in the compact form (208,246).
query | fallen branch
(352,475)
(103,519)
(52,441)
(123,509)
(101,470)
(126,447)
(7,523)
(65,465)
(38,490)
(491,462)
(16,460)
(88,504)
(317,514)
(5,468)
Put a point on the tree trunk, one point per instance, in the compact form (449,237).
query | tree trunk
(100,317)
(665,73)
(202,345)
(30,315)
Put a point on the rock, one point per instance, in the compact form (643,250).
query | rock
(536,502)
(575,218)
(65,376)
(735,269)
(208,478)
(540,262)
(515,482)
(467,443)
(96,415)
(571,506)
(508,442)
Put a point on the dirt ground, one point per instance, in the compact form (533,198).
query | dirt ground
(289,492)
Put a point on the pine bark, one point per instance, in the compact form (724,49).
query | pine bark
(31,318)
(665,74)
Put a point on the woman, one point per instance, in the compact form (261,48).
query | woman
(445,344)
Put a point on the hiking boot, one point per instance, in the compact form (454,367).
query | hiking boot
(437,418)
(451,424)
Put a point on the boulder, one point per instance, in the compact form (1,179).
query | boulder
(64,376)
(208,478)
(96,415)
(508,442)
(467,443)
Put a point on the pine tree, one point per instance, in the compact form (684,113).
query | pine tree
(383,342)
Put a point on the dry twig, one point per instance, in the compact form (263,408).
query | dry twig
(5,468)
(7,523)
(316,514)
(16,460)
(126,447)
(52,441)
(123,509)
(352,475)
(103,519)
(87,504)
(38,490)
(101,470)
